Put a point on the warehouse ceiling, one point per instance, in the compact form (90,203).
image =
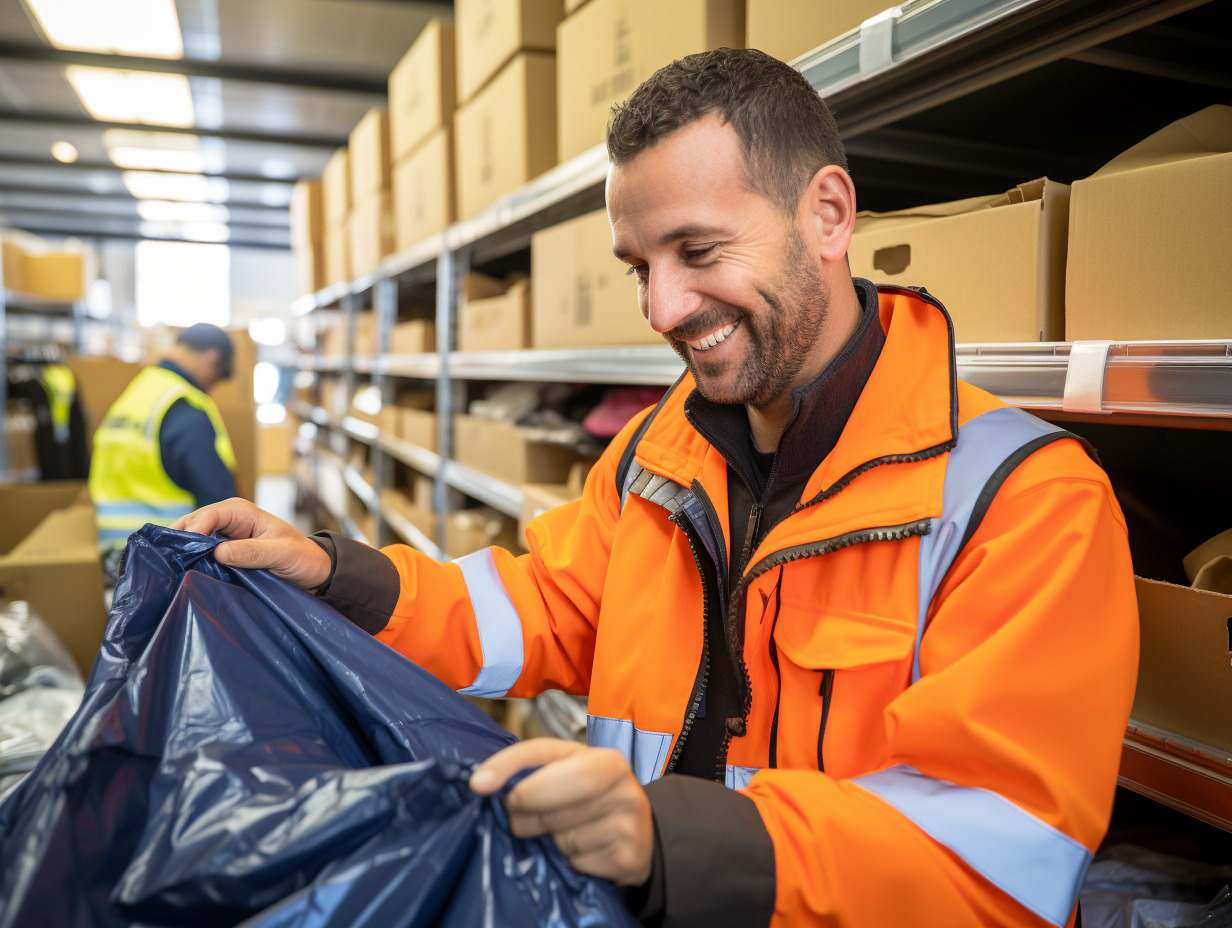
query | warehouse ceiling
(202,143)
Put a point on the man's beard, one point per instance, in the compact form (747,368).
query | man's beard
(780,337)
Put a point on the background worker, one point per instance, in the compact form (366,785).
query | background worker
(859,640)
(162,449)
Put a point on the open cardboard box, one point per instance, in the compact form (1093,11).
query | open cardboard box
(504,451)
(996,263)
(1150,236)
(1185,666)
(49,558)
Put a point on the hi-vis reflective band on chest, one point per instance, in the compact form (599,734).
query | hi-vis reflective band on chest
(1024,856)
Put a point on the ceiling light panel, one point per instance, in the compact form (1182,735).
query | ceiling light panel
(146,185)
(115,95)
(173,211)
(147,28)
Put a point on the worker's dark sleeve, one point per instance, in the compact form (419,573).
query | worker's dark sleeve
(186,442)
(713,855)
(363,583)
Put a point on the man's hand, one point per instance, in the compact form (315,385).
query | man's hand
(261,541)
(587,799)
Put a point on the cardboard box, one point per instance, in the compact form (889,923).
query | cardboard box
(422,89)
(12,262)
(368,155)
(504,451)
(417,336)
(583,296)
(506,135)
(307,214)
(538,498)
(336,188)
(571,5)
(397,501)
(423,491)
(788,29)
(470,530)
(996,263)
(240,421)
(49,558)
(337,253)
(363,338)
(419,427)
(1156,216)
(424,193)
(274,448)
(334,340)
(498,323)
(55,275)
(609,47)
(490,32)
(372,232)
(309,267)
(1184,673)
(100,381)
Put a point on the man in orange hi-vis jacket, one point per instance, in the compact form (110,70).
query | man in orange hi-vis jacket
(859,640)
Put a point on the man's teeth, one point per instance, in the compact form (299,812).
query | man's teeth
(704,344)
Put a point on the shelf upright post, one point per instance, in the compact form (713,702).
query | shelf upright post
(451,267)
(385,300)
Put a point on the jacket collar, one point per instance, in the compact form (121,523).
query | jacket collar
(908,408)
(179,372)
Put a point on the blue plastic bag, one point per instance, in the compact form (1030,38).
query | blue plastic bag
(243,754)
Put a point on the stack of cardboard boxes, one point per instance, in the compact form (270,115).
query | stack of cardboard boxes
(31,266)
(422,99)
(607,47)
(788,29)
(336,200)
(371,221)
(506,123)
(308,236)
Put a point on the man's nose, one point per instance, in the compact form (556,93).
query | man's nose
(669,299)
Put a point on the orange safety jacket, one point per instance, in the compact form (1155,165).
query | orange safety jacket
(940,648)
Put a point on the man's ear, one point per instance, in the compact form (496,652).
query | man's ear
(828,210)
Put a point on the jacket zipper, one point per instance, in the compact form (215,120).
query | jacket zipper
(703,670)
(827,688)
(778,676)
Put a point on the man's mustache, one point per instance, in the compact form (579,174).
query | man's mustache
(704,321)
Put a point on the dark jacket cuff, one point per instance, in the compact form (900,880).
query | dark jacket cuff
(363,584)
(718,859)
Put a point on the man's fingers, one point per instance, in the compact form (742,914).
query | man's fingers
(494,772)
(578,777)
(235,518)
(248,552)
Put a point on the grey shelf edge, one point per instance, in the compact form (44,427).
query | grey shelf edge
(496,493)
(425,461)
(897,36)
(424,366)
(1166,378)
(342,518)
(644,365)
(417,539)
(360,487)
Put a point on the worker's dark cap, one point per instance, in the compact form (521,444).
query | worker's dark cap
(206,337)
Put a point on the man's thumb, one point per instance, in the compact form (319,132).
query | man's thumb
(247,552)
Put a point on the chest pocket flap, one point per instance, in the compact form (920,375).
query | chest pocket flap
(837,639)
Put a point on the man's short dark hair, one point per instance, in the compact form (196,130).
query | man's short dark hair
(786,131)
(202,337)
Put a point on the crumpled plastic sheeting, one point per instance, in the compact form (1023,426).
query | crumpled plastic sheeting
(40,689)
(243,754)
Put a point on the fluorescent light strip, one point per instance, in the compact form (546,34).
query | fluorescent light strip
(147,28)
(115,95)
(146,185)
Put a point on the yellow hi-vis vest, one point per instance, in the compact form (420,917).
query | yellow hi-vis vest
(128,482)
(60,386)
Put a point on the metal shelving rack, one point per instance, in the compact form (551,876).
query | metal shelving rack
(902,62)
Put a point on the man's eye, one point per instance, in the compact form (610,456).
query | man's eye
(692,254)
(641,270)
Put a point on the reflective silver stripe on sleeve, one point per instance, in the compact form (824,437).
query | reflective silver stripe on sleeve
(1024,857)
(646,751)
(738,777)
(500,629)
(983,444)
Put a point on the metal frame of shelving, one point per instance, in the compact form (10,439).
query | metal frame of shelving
(901,62)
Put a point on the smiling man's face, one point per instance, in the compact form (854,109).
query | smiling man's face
(723,274)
